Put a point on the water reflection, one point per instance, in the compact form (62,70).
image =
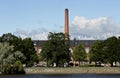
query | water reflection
(62,76)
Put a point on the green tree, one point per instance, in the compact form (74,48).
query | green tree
(118,50)
(18,68)
(5,51)
(29,52)
(12,40)
(45,53)
(97,52)
(8,57)
(79,53)
(25,46)
(112,49)
(56,49)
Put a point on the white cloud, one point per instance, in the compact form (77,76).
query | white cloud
(81,28)
(36,34)
(97,28)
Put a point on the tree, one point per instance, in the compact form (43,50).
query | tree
(106,51)
(29,52)
(25,46)
(56,49)
(118,50)
(5,51)
(79,53)
(112,50)
(8,57)
(97,52)
(45,53)
(12,40)
(18,68)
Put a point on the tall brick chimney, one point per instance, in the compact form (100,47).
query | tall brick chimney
(66,24)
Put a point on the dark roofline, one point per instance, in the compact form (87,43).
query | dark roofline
(73,43)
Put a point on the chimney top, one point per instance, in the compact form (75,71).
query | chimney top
(66,8)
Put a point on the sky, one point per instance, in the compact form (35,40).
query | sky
(88,19)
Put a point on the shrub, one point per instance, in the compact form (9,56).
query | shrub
(6,69)
(18,68)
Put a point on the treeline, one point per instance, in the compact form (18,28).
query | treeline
(14,52)
(106,51)
(56,51)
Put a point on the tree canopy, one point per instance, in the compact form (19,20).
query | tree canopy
(97,52)
(23,45)
(107,51)
(29,52)
(79,53)
(56,50)
(8,57)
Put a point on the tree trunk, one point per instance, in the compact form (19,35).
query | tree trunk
(111,64)
(47,62)
(57,63)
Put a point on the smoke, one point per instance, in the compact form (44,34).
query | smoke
(97,28)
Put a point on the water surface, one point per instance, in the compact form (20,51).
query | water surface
(63,76)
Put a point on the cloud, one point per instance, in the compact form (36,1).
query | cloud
(80,28)
(97,28)
(36,34)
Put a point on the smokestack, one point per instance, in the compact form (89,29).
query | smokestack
(66,24)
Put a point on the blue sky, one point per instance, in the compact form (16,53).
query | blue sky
(35,18)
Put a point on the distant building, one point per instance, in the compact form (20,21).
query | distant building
(87,43)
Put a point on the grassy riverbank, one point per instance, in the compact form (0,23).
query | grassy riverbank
(74,70)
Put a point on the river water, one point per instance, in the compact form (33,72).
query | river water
(62,76)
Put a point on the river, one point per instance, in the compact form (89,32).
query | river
(63,76)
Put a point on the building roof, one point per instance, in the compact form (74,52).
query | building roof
(73,43)
(86,43)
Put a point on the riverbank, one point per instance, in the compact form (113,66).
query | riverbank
(73,70)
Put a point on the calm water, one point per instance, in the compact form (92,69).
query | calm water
(61,76)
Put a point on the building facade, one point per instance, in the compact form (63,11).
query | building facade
(87,43)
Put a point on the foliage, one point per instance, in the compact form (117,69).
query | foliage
(12,40)
(112,50)
(5,51)
(107,51)
(79,53)
(96,52)
(16,68)
(25,46)
(29,52)
(56,50)
(8,57)
(118,50)
(6,69)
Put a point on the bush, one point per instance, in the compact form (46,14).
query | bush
(6,69)
(16,68)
